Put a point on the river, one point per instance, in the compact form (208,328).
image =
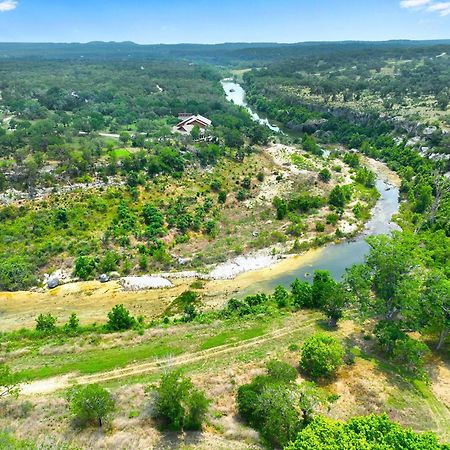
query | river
(335,258)
(236,94)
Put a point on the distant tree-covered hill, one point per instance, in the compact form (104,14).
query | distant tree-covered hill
(227,54)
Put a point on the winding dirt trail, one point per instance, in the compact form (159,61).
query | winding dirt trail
(50,385)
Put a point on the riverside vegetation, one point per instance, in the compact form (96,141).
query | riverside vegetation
(360,362)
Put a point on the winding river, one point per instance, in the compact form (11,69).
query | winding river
(335,258)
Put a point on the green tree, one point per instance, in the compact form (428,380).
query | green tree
(73,323)
(302,294)
(45,323)
(281,297)
(233,138)
(275,404)
(154,220)
(370,433)
(90,404)
(325,175)
(321,356)
(389,272)
(85,267)
(124,137)
(329,296)
(9,385)
(177,403)
(339,197)
(120,319)
(423,195)
(435,307)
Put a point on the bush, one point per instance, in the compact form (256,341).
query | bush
(273,403)
(85,267)
(325,175)
(222,197)
(90,404)
(332,219)
(281,371)
(281,207)
(216,185)
(177,404)
(8,382)
(120,319)
(339,196)
(45,322)
(73,323)
(281,297)
(410,355)
(109,263)
(302,293)
(320,227)
(16,275)
(321,356)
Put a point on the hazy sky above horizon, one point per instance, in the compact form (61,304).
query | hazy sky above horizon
(201,21)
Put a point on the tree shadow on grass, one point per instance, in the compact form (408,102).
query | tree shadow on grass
(173,440)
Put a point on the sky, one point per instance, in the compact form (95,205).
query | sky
(212,21)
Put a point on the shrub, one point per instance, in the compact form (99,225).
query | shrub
(109,263)
(216,185)
(273,403)
(410,355)
(325,175)
(222,197)
(90,404)
(352,159)
(332,219)
(73,323)
(302,293)
(241,195)
(15,275)
(281,207)
(320,227)
(177,404)
(120,319)
(45,322)
(281,297)
(8,382)
(339,196)
(321,356)
(365,177)
(281,371)
(85,267)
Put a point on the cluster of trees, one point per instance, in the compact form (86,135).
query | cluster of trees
(325,294)
(288,414)
(276,405)
(72,227)
(404,287)
(301,91)
(174,403)
(52,103)
(370,432)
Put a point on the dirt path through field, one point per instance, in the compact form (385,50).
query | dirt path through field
(50,385)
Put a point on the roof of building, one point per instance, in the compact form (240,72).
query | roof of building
(198,118)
